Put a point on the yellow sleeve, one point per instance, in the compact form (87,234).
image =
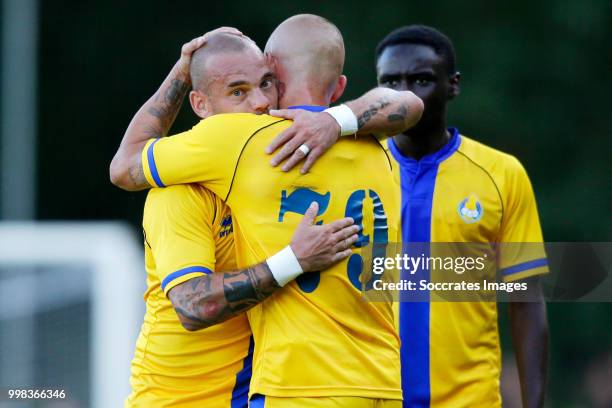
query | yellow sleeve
(178,224)
(206,154)
(522,252)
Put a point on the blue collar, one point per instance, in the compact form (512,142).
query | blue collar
(433,158)
(311,108)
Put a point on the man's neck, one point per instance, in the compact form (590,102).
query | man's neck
(417,144)
(301,95)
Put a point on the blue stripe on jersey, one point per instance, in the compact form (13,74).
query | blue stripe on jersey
(184,271)
(525,266)
(152,165)
(311,108)
(258,401)
(418,181)
(240,394)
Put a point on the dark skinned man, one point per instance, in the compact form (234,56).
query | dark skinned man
(455,189)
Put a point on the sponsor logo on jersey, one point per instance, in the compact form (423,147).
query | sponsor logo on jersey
(226,226)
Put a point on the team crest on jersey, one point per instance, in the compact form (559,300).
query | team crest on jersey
(470,210)
(226,226)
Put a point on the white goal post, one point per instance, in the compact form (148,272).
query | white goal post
(50,254)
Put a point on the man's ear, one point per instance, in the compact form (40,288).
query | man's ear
(339,89)
(454,89)
(200,104)
(275,67)
(271,62)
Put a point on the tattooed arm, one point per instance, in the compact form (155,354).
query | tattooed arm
(386,113)
(155,118)
(381,111)
(152,120)
(211,299)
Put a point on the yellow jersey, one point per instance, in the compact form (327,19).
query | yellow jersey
(316,337)
(188,233)
(464,193)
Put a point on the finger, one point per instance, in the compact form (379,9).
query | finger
(351,240)
(339,247)
(345,243)
(341,255)
(311,214)
(345,233)
(290,147)
(312,157)
(198,42)
(280,140)
(297,157)
(283,113)
(190,47)
(341,224)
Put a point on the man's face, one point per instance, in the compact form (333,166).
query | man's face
(240,82)
(419,69)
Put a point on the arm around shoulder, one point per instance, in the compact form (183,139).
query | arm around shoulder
(386,112)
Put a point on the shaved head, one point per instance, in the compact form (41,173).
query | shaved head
(218,44)
(229,74)
(309,48)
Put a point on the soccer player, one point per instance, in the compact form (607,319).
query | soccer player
(318,343)
(455,189)
(189,254)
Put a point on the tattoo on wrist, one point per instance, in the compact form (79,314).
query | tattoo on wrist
(372,110)
(249,287)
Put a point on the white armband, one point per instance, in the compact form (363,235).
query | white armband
(345,118)
(284,266)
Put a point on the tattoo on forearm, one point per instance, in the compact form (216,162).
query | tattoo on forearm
(167,104)
(154,131)
(175,93)
(191,321)
(187,299)
(211,299)
(372,110)
(399,115)
(249,287)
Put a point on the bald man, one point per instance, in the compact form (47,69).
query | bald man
(301,64)
(318,343)
(195,346)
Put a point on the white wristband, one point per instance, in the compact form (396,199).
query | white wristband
(284,266)
(345,118)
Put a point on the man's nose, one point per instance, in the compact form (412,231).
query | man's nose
(259,102)
(402,86)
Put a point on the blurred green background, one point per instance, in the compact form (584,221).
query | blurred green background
(536,82)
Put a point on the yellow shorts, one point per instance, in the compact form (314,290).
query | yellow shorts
(261,401)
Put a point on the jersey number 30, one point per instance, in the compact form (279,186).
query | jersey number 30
(299,201)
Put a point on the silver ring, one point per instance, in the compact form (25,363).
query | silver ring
(304,149)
